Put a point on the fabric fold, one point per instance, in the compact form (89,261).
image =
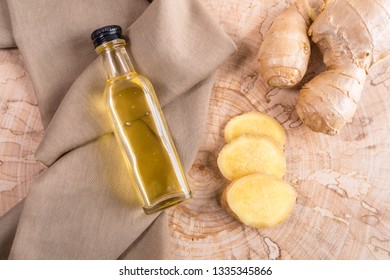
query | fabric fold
(153,244)
(54,40)
(8,226)
(80,209)
(83,206)
(169,45)
(6,37)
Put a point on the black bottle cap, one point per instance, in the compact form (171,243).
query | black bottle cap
(106,34)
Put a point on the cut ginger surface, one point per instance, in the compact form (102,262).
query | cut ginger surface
(249,154)
(255,123)
(259,200)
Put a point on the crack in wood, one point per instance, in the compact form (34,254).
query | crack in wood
(273,249)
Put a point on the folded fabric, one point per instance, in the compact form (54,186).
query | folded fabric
(6,37)
(83,206)
(8,225)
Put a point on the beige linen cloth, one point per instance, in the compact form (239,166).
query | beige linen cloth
(83,206)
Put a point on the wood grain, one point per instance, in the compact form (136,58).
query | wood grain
(342,181)
(20,130)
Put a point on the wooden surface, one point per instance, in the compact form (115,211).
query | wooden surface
(20,130)
(343,181)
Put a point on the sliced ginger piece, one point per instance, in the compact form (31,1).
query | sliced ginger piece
(259,200)
(251,154)
(256,123)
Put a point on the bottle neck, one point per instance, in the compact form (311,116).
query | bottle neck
(115,58)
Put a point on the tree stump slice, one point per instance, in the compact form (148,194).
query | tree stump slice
(20,130)
(342,181)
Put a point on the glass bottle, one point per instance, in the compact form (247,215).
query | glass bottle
(139,126)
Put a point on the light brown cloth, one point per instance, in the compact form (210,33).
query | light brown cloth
(8,225)
(6,37)
(83,206)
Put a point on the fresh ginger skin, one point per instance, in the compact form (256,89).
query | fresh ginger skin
(352,35)
(284,54)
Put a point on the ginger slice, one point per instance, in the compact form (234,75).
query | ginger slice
(251,154)
(259,200)
(256,123)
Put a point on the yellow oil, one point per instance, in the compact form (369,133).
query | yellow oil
(145,142)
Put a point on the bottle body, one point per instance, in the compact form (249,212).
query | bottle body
(145,142)
(139,127)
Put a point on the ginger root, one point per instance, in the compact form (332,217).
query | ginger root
(255,123)
(284,54)
(259,200)
(250,154)
(352,35)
